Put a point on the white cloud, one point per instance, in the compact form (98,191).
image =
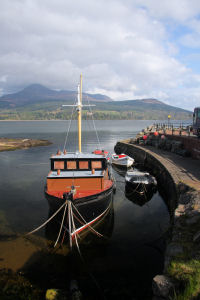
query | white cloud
(123,48)
(177,10)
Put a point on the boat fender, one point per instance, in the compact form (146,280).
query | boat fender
(145,137)
(58,172)
(93,171)
(58,152)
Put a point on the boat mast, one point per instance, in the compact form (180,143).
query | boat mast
(79,109)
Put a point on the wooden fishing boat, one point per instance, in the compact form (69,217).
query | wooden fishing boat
(122,160)
(81,180)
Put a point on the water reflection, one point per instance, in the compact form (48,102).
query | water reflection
(140,198)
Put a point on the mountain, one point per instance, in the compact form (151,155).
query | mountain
(37,93)
(39,102)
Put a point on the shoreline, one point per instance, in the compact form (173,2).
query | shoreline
(11,144)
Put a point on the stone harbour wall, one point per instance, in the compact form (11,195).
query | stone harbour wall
(150,163)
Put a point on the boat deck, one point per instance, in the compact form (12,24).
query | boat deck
(76,174)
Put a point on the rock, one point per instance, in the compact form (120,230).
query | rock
(75,292)
(193,213)
(52,294)
(196,237)
(174,249)
(161,144)
(162,287)
(185,198)
(192,220)
(180,210)
(176,146)
(176,236)
(183,188)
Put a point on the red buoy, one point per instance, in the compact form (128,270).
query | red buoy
(145,137)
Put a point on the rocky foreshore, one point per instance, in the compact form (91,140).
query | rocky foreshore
(182,256)
(10,144)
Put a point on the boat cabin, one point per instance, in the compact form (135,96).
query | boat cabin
(84,171)
(78,163)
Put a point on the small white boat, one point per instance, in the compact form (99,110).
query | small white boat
(122,160)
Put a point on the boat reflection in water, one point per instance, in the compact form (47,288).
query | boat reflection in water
(138,197)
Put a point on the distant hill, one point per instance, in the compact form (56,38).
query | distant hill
(38,93)
(38,102)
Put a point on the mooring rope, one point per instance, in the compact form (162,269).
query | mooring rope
(61,226)
(79,251)
(89,227)
(74,229)
(135,190)
(99,234)
(38,228)
(69,223)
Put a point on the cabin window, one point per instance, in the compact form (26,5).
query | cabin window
(96,164)
(59,165)
(83,165)
(71,165)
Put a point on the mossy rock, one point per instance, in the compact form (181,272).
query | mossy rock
(14,286)
(55,294)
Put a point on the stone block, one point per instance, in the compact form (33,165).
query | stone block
(196,237)
(162,286)
(174,249)
(193,220)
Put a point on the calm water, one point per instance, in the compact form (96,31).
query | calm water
(123,265)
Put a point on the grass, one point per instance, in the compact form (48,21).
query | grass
(187,276)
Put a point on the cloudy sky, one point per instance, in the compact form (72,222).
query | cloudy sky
(126,49)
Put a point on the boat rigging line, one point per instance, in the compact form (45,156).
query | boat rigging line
(69,127)
(94,123)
